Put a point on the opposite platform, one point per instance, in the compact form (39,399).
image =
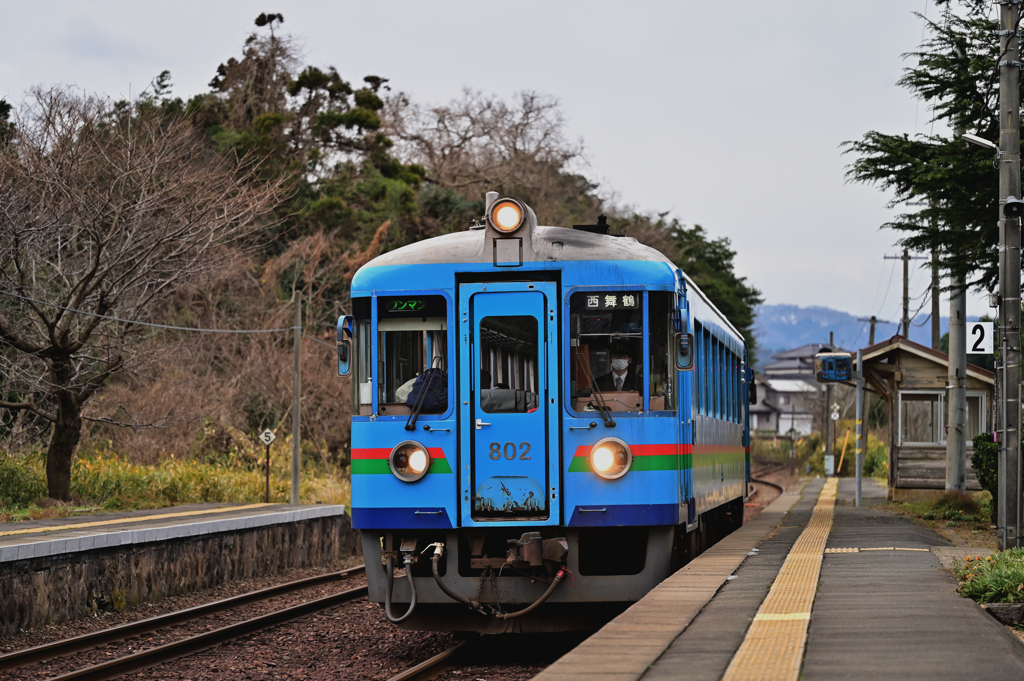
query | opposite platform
(61,569)
(52,537)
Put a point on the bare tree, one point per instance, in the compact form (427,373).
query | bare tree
(105,210)
(482,143)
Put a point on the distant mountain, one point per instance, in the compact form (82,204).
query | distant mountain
(781,327)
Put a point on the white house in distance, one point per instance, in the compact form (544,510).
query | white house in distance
(788,396)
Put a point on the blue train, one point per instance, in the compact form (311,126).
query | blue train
(547,423)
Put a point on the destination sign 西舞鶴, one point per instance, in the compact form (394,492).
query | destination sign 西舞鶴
(613,301)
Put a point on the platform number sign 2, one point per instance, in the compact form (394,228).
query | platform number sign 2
(979,338)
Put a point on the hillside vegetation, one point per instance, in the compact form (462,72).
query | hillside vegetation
(334,172)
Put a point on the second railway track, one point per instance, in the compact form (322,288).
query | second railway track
(175,649)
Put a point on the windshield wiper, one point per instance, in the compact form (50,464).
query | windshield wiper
(602,405)
(410,424)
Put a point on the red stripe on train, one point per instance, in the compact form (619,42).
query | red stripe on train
(381,453)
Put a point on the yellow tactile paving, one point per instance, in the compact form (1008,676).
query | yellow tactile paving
(774,646)
(121,521)
(877,548)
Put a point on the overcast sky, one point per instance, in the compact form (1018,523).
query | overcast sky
(729,115)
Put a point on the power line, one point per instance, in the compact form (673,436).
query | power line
(317,340)
(155,326)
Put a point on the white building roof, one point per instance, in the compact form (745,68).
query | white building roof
(783,385)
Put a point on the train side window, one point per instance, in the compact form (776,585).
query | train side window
(732,387)
(709,361)
(412,340)
(716,372)
(697,380)
(606,332)
(663,367)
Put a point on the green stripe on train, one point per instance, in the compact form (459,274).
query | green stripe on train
(380,466)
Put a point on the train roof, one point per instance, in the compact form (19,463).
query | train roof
(548,244)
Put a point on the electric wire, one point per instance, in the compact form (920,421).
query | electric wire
(166,326)
(892,273)
(151,325)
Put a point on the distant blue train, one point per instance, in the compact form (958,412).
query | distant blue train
(548,422)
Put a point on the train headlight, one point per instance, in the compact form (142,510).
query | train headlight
(507,215)
(409,461)
(611,458)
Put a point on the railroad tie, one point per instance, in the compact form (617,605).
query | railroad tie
(773,648)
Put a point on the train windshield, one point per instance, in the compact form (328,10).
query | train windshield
(412,354)
(606,338)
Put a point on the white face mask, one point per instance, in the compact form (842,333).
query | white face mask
(620,365)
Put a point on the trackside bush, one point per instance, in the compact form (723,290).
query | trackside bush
(102,477)
(952,505)
(998,578)
(985,461)
(22,479)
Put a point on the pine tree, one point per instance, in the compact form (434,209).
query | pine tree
(956,74)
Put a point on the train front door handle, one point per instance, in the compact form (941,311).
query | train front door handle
(480,424)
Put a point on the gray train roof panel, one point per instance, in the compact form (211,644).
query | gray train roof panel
(548,244)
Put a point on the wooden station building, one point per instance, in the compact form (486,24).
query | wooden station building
(912,380)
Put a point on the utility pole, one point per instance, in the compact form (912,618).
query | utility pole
(874,320)
(956,381)
(956,424)
(296,389)
(906,258)
(936,327)
(1009,508)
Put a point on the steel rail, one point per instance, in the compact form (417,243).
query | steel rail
(194,644)
(64,647)
(432,668)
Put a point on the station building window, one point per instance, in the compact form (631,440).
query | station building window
(923,417)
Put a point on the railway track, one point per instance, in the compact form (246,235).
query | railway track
(767,469)
(432,668)
(170,651)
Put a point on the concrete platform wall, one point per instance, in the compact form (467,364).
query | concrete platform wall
(61,587)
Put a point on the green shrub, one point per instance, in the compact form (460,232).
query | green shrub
(985,461)
(876,459)
(22,479)
(998,578)
(953,505)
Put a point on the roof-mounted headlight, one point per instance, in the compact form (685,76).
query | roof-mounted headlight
(409,461)
(507,215)
(611,458)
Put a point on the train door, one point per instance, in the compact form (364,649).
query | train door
(508,379)
(687,384)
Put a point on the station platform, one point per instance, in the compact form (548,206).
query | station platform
(62,569)
(56,536)
(814,588)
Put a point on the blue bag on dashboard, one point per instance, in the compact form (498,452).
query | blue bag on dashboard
(431,388)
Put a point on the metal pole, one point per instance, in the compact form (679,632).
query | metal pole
(956,427)
(267,497)
(860,417)
(1009,273)
(296,388)
(830,455)
(906,294)
(936,328)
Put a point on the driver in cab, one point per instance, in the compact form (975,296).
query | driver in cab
(624,377)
